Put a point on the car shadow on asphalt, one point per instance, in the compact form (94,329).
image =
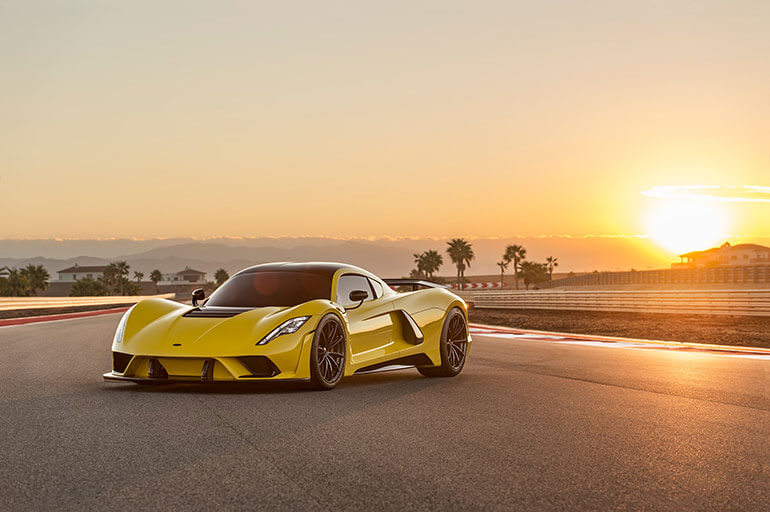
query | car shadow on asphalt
(391,379)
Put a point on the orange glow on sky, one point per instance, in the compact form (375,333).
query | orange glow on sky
(398,119)
(683,226)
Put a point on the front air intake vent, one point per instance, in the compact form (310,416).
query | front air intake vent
(120,361)
(156,370)
(259,366)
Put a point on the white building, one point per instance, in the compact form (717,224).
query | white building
(76,272)
(186,276)
(725,255)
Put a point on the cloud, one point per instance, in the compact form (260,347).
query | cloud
(729,194)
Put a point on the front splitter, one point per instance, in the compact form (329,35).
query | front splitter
(117,377)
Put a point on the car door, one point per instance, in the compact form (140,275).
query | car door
(370,323)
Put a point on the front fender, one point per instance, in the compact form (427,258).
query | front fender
(303,368)
(144,313)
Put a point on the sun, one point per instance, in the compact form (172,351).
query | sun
(681,226)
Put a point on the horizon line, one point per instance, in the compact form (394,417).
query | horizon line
(385,238)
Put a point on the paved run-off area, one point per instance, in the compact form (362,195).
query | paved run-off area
(531,423)
(747,331)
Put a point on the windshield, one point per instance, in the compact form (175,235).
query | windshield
(278,288)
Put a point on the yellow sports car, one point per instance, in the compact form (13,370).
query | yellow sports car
(314,322)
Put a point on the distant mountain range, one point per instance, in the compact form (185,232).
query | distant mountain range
(210,256)
(386,257)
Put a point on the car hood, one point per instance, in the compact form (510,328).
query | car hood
(185,332)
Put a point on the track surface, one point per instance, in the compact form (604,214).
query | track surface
(528,425)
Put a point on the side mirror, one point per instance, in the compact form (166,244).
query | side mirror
(197,295)
(357,296)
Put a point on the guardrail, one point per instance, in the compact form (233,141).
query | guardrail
(15,303)
(712,302)
(758,273)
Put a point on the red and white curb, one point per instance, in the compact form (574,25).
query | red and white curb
(476,286)
(616,342)
(10,322)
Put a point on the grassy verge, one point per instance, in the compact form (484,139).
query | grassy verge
(721,330)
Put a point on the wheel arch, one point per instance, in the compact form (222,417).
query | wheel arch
(304,357)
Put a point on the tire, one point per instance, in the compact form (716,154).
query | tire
(328,353)
(453,346)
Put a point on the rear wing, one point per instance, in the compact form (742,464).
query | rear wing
(414,284)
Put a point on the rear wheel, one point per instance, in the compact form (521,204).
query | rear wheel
(328,353)
(453,346)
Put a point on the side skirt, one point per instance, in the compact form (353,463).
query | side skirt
(401,363)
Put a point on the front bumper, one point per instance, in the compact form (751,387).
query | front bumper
(162,369)
(286,358)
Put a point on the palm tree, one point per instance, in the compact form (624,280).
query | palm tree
(427,263)
(432,261)
(419,260)
(155,277)
(123,268)
(551,262)
(116,277)
(37,277)
(220,276)
(18,284)
(516,254)
(503,266)
(138,276)
(461,253)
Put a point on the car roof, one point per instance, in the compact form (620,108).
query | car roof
(326,268)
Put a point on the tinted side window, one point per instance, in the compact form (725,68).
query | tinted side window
(349,283)
(377,288)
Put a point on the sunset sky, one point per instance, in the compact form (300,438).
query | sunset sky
(402,119)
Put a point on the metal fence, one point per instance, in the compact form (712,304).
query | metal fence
(716,302)
(710,275)
(14,303)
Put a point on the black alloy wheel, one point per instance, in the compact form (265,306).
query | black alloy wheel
(328,353)
(453,346)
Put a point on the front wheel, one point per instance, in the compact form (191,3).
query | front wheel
(328,353)
(453,346)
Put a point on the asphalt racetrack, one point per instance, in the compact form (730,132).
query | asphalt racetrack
(532,423)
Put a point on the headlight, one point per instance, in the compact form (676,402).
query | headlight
(121,330)
(288,327)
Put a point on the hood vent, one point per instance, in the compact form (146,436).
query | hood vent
(215,312)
